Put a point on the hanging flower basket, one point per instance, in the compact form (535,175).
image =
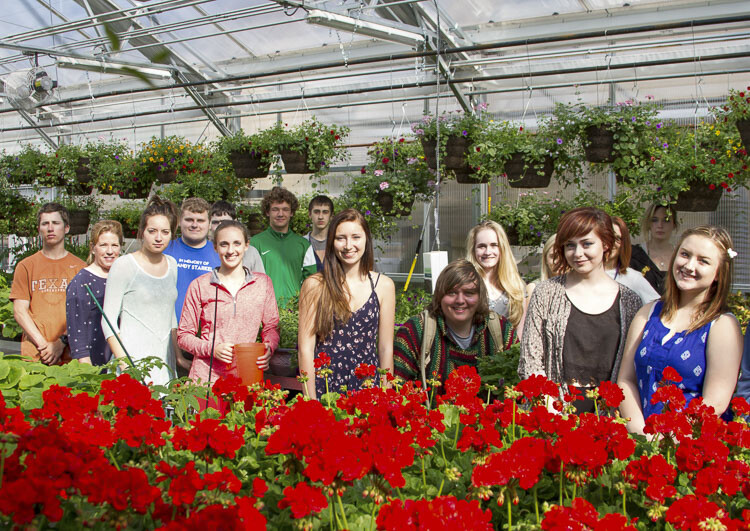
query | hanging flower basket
(83,174)
(295,161)
(248,166)
(529,177)
(698,198)
(512,234)
(164,175)
(600,144)
(385,200)
(255,224)
(79,221)
(456,150)
(743,126)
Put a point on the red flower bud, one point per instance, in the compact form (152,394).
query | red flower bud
(712,187)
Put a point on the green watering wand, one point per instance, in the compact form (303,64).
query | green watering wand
(99,307)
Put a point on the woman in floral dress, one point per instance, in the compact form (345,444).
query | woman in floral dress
(347,310)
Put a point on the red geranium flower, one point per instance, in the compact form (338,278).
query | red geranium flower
(303,500)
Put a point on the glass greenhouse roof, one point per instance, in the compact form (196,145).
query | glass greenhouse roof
(122,64)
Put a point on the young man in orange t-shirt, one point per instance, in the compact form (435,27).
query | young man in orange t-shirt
(38,289)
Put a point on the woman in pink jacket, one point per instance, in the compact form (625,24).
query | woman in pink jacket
(228,306)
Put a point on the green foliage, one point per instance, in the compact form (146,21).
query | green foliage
(30,166)
(533,217)
(8,324)
(736,107)
(739,305)
(469,125)
(500,370)
(289,323)
(411,303)
(322,143)
(261,143)
(129,215)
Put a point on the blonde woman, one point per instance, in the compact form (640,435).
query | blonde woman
(488,249)
(657,226)
(546,265)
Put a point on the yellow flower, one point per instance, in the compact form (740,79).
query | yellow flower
(182,147)
(176,150)
(161,159)
(645,270)
(718,132)
(188,152)
(151,159)
(110,186)
(143,159)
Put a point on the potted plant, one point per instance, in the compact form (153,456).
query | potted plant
(250,155)
(128,213)
(13,208)
(309,147)
(692,167)
(619,134)
(31,166)
(736,111)
(458,132)
(532,218)
(82,210)
(71,163)
(166,157)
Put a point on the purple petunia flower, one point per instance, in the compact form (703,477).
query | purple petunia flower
(658,126)
(367,212)
(117,157)
(665,145)
(632,119)
(559,140)
(465,133)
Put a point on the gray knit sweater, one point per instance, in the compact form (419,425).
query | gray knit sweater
(544,329)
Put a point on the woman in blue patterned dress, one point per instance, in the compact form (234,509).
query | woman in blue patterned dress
(690,329)
(346,311)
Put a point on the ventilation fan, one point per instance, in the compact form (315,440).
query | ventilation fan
(30,87)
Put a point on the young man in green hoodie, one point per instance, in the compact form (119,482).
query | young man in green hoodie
(287,257)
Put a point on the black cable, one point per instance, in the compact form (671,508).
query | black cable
(213,342)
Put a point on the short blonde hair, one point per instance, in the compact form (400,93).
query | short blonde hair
(99,228)
(650,211)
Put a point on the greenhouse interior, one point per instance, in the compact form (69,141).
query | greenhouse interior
(428,117)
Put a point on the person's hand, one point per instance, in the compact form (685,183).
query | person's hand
(51,352)
(224,352)
(264,361)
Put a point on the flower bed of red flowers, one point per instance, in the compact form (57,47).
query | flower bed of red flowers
(376,458)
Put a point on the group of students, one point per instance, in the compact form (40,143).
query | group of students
(603,309)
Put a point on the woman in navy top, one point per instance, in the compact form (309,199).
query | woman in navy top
(689,329)
(87,343)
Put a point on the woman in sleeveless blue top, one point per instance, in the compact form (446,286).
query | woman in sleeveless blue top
(346,311)
(683,351)
(689,329)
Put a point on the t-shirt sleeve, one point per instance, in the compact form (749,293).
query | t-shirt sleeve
(252,260)
(21,288)
(406,346)
(309,266)
(118,279)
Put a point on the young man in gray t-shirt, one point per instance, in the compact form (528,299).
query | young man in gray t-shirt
(320,211)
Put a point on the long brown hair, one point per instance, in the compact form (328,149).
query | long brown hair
(715,302)
(159,207)
(456,274)
(626,248)
(334,297)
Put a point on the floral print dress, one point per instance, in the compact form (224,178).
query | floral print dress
(350,344)
(684,352)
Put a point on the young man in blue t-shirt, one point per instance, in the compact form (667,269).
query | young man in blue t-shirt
(194,254)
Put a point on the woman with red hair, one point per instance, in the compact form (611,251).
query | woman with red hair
(576,323)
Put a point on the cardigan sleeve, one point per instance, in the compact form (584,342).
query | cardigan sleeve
(190,323)
(532,341)
(406,347)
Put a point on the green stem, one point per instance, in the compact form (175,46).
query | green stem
(561,483)
(596,407)
(424,480)
(536,505)
(440,490)
(327,391)
(334,514)
(488,396)
(343,513)
(442,451)
(455,436)
(400,494)
(112,457)
(510,515)
(513,423)
(575,489)
(624,505)
(372,516)
(2,465)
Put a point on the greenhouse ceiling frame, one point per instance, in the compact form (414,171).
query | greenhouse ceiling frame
(457,68)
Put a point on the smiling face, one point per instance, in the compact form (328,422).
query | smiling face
(194,227)
(349,243)
(106,250)
(487,249)
(231,246)
(584,254)
(52,228)
(459,304)
(661,227)
(156,234)
(279,216)
(696,263)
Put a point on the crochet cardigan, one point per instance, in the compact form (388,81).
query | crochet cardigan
(545,325)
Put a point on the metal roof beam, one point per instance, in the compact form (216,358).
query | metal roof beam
(62,17)
(38,128)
